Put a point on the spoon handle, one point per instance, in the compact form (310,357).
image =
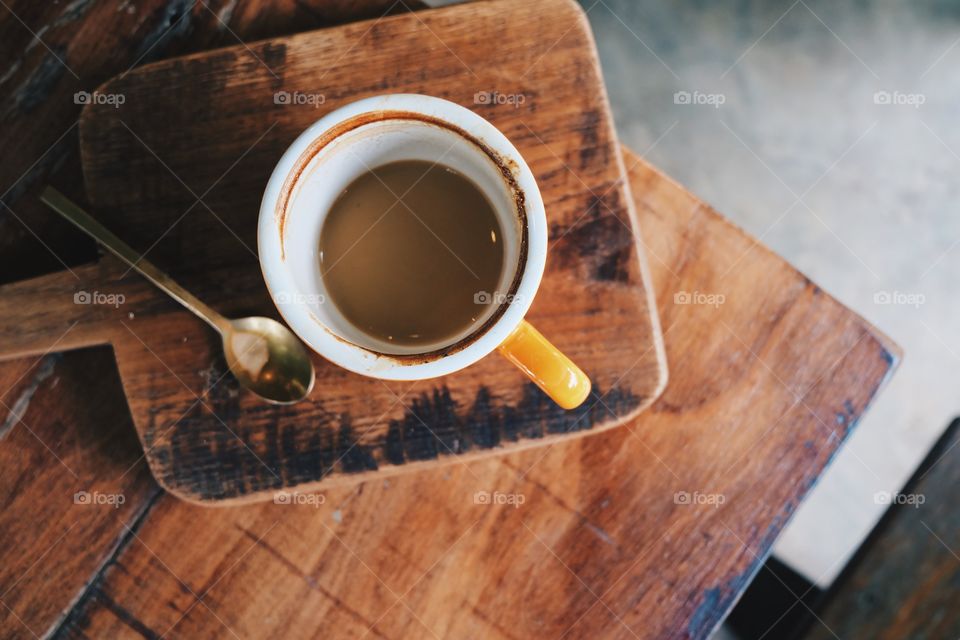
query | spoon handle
(86,223)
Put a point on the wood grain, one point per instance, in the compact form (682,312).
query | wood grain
(72,478)
(178,168)
(592,537)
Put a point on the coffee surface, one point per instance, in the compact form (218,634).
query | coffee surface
(412,253)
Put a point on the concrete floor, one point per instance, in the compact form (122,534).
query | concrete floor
(858,189)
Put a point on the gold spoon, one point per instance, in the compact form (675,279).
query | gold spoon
(261,353)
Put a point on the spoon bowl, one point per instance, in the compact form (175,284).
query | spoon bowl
(267,359)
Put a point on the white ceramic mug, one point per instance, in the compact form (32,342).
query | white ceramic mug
(351,141)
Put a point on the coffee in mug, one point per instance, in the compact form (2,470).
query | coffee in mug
(411,253)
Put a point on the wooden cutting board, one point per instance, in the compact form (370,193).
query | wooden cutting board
(176,155)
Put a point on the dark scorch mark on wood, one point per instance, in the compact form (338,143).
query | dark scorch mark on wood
(588,128)
(484,421)
(211,431)
(434,424)
(289,451)
(274,56)
(615,267)
(321,439)
(353,455)
(599,240)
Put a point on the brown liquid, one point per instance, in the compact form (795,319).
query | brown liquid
(411,252)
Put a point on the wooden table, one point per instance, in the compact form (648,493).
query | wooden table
(904,581)
(649,530)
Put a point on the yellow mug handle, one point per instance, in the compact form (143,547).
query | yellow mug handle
(543,363)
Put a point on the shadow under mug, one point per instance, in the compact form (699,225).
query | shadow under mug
(363,135)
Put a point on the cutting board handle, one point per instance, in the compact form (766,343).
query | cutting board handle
(65,310)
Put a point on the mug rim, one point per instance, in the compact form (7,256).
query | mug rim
(472,129)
